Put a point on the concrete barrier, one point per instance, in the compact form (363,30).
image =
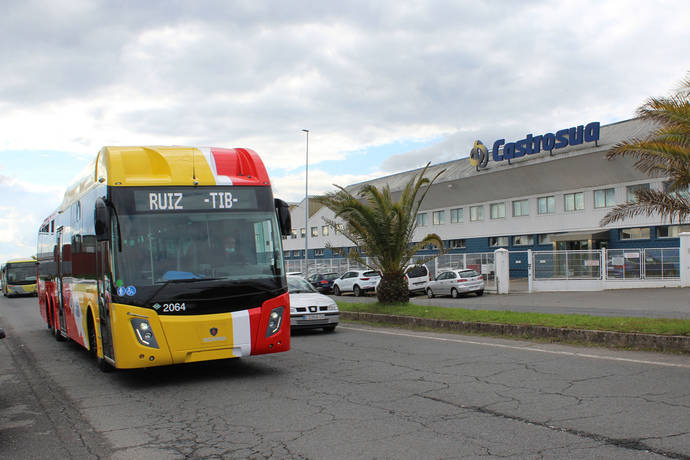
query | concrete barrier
(655,342)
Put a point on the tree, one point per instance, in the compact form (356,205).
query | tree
(665,153)
(383,230)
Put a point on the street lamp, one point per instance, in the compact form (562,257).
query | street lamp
(306,208)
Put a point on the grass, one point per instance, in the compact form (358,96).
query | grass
(664,326)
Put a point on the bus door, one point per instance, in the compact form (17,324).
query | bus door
(104,299)
(62,321)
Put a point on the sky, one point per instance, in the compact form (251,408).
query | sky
(382,86)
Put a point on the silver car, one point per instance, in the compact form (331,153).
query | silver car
(456,282)
(308,308)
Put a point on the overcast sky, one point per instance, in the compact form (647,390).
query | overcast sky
(383,86)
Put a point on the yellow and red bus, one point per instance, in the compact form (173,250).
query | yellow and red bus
(132,265)
(18,277)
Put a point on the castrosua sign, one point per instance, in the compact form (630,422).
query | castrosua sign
(531,144)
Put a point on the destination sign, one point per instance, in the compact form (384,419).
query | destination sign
(195,199)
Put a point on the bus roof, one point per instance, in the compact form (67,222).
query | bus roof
(17,261)
(167,166)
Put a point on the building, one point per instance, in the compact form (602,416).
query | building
(533,193)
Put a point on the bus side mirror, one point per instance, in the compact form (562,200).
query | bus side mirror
(102,220)
(284,220)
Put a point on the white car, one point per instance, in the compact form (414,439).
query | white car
(417,277)
(308,308)
(356,281)
(456,282)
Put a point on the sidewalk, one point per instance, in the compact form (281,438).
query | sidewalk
(650,303)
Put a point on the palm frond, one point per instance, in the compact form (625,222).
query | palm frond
(664,153)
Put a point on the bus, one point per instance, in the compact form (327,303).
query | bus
(18,277)
(132,266)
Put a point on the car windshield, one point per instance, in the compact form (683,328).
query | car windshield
(330,276)
(468,273)
(416,271)
(299,285)
(370,274)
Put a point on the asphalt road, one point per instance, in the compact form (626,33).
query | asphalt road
(648,303)
(357,393)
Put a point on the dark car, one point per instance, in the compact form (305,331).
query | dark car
(323,282)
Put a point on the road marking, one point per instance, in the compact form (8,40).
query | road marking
(515,347)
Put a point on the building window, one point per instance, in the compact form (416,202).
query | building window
(456,244)
(546,205)
(574,201)
(520,208)
(476,213)
(671,231)
(421,219)
(315,231)
(497,210)
(293,234)
(604,198)
(495,241)
(325,230)
(338,251)
(286,254)
(637,233)
(632,189)
(296,253)
(523,240)
(302,232)
(545,238)
(318,252)
(439,217)
(456,216)
(684,193)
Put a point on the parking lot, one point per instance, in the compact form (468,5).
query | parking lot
(651,303)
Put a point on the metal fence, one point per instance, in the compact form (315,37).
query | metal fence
(643,263)
(615,264)
(480,262)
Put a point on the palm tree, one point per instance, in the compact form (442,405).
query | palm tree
(383,229)
(665,153)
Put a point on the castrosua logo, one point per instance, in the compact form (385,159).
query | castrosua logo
(531,144)
(479,155)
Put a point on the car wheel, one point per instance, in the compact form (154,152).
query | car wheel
(329,328)
(454,293)
(429,293)
(357,291)
(336,290)
(480,293)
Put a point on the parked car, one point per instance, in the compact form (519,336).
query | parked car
(356,281)
(323,282)
(456,282)
(308,308)
(417,277)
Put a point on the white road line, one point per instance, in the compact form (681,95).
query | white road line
(513,347)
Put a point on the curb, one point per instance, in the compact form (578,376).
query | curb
(655,342)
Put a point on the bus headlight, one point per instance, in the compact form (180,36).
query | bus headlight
(275,319)
(144,333)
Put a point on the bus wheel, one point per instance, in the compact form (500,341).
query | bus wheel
(55,328)
(93,346)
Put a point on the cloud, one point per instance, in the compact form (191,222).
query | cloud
(81,74)
(291,187)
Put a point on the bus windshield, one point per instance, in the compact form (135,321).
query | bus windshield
(21,273)
(152,249)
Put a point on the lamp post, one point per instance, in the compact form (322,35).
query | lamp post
(306,208)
